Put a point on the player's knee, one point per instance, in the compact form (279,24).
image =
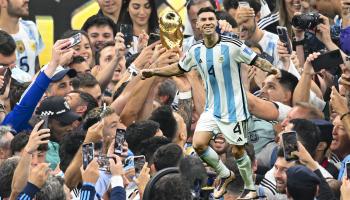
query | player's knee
(238,151)
(199,147)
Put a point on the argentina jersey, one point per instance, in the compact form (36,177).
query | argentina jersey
(219,67)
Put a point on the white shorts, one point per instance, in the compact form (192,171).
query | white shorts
(234,132)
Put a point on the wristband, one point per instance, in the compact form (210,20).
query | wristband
(343,115)
(117,181)
(298,43)
(185,95)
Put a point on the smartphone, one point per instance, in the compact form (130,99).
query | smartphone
(289,140)
(103,162)
(283,36)
(119,140)
(127,31)
(74,40)
(329,61)
(139,162)
(153,37)
(348,170)
(45,125)
(7,76)
(88,153)
(243,4)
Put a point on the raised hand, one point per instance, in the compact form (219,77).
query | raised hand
(37,137)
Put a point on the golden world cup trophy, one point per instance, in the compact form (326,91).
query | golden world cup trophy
(171,30)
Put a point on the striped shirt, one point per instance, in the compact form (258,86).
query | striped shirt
(219,67)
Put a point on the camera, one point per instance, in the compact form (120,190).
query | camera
(306,21)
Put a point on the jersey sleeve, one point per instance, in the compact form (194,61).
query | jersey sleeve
(187,61)
(243,54)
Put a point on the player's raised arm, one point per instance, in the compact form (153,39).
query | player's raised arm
(167,71)
(265,65)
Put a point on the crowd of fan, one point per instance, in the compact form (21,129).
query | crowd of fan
(93,89)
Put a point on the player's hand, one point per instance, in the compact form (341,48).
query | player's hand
(244,14)
(91,173)
(146,73)
(143,41)
(120,45)
(225,26)
(283,53)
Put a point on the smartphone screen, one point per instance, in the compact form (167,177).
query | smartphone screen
(329,61)
(7,77)
(103,162)
(119,140)
(88,154)
(243,4)
(74,40)
(153,37)
(283,36)
(290,144)
(348,170)
(127,31)
(139,162)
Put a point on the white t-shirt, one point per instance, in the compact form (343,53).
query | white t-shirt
(29,45)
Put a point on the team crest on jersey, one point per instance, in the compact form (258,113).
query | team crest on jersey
(32,45)
(20,46)
(221,59)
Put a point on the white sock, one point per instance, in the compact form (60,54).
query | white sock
(245,169)
(212,159)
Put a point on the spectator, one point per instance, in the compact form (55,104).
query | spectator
(7,169)
(100,29)
(60,122)
(81,102)
(88,83)
(112,9)
(166,156)
(83,49)
(61,82)
(80,65)
(5,141)
(164,116)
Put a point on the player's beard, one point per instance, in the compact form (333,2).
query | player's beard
(20,11)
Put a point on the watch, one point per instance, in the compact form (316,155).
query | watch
(297,43)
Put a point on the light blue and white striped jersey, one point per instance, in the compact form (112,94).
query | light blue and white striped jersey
(219,67)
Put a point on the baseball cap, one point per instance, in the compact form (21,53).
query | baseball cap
(302,182)
(61,72)
(57,108)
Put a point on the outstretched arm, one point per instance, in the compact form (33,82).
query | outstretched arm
(265,65)
(170,70)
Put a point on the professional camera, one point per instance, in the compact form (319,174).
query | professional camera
(306,21)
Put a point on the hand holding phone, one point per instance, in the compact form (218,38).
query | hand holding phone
(127,31)
(6,72)
(45,125)
(139,162)
(74,40)
(283,36)
(289,141)
(329,61)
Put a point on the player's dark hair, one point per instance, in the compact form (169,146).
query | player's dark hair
(206,9)
(288,81)
(164,116)
(99,20)
(139,131)
(307,133)
(167,88)
(166,156)
(7,44)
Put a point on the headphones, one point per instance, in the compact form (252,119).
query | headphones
(155,178)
